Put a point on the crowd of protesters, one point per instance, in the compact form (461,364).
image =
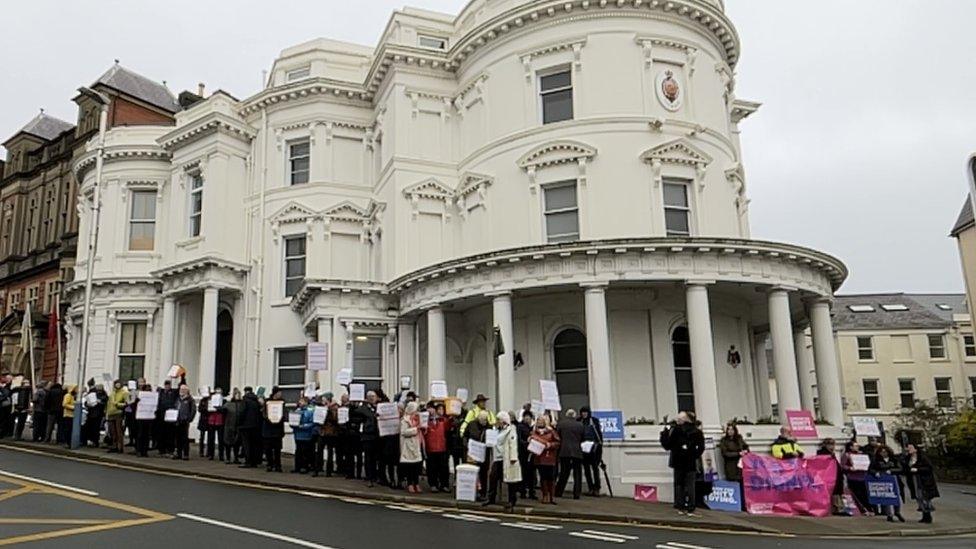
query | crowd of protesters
(685,441)
(531,454)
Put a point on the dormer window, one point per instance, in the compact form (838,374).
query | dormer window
(861,308)
(892,307)
(432,42)
(298,74)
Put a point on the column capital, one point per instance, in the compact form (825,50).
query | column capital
(699,282)
(827,300)
(781,288)
(594,286)
(431,307)
(500,293)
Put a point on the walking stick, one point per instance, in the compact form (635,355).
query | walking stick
(606,477)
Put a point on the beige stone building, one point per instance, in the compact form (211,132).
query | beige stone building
(897,349)
(964,231)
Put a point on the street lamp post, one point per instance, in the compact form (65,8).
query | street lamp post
(103,102)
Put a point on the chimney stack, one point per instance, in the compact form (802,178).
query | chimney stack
(200,89)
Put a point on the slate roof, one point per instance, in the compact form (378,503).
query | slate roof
(965,219)
(140,87)
(923,311)
(45,126)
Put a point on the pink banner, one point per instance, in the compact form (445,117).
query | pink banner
(788,486)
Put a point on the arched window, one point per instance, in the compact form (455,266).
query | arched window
(569,364)
(681,355)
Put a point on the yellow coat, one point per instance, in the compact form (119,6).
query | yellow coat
(68,404)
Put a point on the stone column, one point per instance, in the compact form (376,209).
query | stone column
(784,357)
(168,338)
(436,345)
(598,347)
(762,376)
(208,338)
(804,369)
(825,359)
(406,366)
(702,354)
(501,306)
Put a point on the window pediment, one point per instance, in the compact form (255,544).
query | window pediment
(346,211)
(679,151)
(429,188)
(555,153)
(293,212)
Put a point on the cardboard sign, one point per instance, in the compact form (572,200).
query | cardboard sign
(343,415)
(357,392)
(725,496)
(146,409)
(550,395)
(275,410)
(388,426)
(344,377)
(461,394)
(866,426)
(883,490)
(317,356)
(611,423)
(476,451)
(171,416)
(294,419)
(860,462)
(466,482)
(438,389)
(802,423)
(536,446)
(645,492)
(319,415)
(453,407)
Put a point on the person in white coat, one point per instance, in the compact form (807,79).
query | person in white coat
(410,443)
(507,446)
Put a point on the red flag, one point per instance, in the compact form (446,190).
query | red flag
(52,324)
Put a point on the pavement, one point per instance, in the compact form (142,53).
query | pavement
(261,501)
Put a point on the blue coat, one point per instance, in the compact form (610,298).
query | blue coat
(306,427)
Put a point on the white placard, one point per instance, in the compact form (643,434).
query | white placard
(550,395)
(275,410)
(343,415)
(538,408)
(387,409)
(216,401)
(587,446)
(454,407)
(466,482)
(536,446)
(171,415)
(294,419)
(491,438)
(321,412)
(310,390)
(317,356)
(405,382)
(131,385)
(14,399)
(344,377)
(476,451)
(388,426)
(357,392)
(424,419)
(860,462)
(866,426)
(204,391)
(462,394)
(91,399)
(146,408)
(438,389)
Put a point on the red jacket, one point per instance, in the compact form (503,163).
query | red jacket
(435,437)
(216,419)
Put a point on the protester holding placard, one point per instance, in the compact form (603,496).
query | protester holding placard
(885,463)
(435,442)
(95,403)
(686,443)
(144,418)
(273,430)
(114,409)
(328,436)
(388,444)
(233,411)
(507,447)
(410,444)
(164,431)
(571,434)
(477,431)
(593,437)
(733,447)
(349,450)
(921,480)
(186,411)
(21,397)
(250,428)
(203,421)
(855,465)
(524,430)
(368,433)
(215,424)
(828,447)
(303,432)
(545,460)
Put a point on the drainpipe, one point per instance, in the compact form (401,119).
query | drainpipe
(262,241)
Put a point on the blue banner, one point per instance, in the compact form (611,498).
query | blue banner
(612,423)
(883,490)
(725,496)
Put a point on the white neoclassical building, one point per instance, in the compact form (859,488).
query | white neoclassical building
(566,172)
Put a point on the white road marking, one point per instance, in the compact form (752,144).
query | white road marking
(245,529)
(462,517)
(596,537)
(409,508)
(49,483)
(526,526)
(679,545)
(479,517)
(611,534)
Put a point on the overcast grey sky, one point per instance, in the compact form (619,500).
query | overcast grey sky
(869,106)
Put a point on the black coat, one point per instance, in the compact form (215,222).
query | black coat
(52,402)
(251,414)
(23,399)
(592,430)
(524,432)
(167,401)
(369,429)
(686,442)
(571,434)
(922,479)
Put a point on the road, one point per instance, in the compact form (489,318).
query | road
(48,501)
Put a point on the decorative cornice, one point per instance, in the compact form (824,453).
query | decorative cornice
(742,109)
(428,188)
(118,153)
(471,182)
(210,124)
(198,264)
(678,151)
